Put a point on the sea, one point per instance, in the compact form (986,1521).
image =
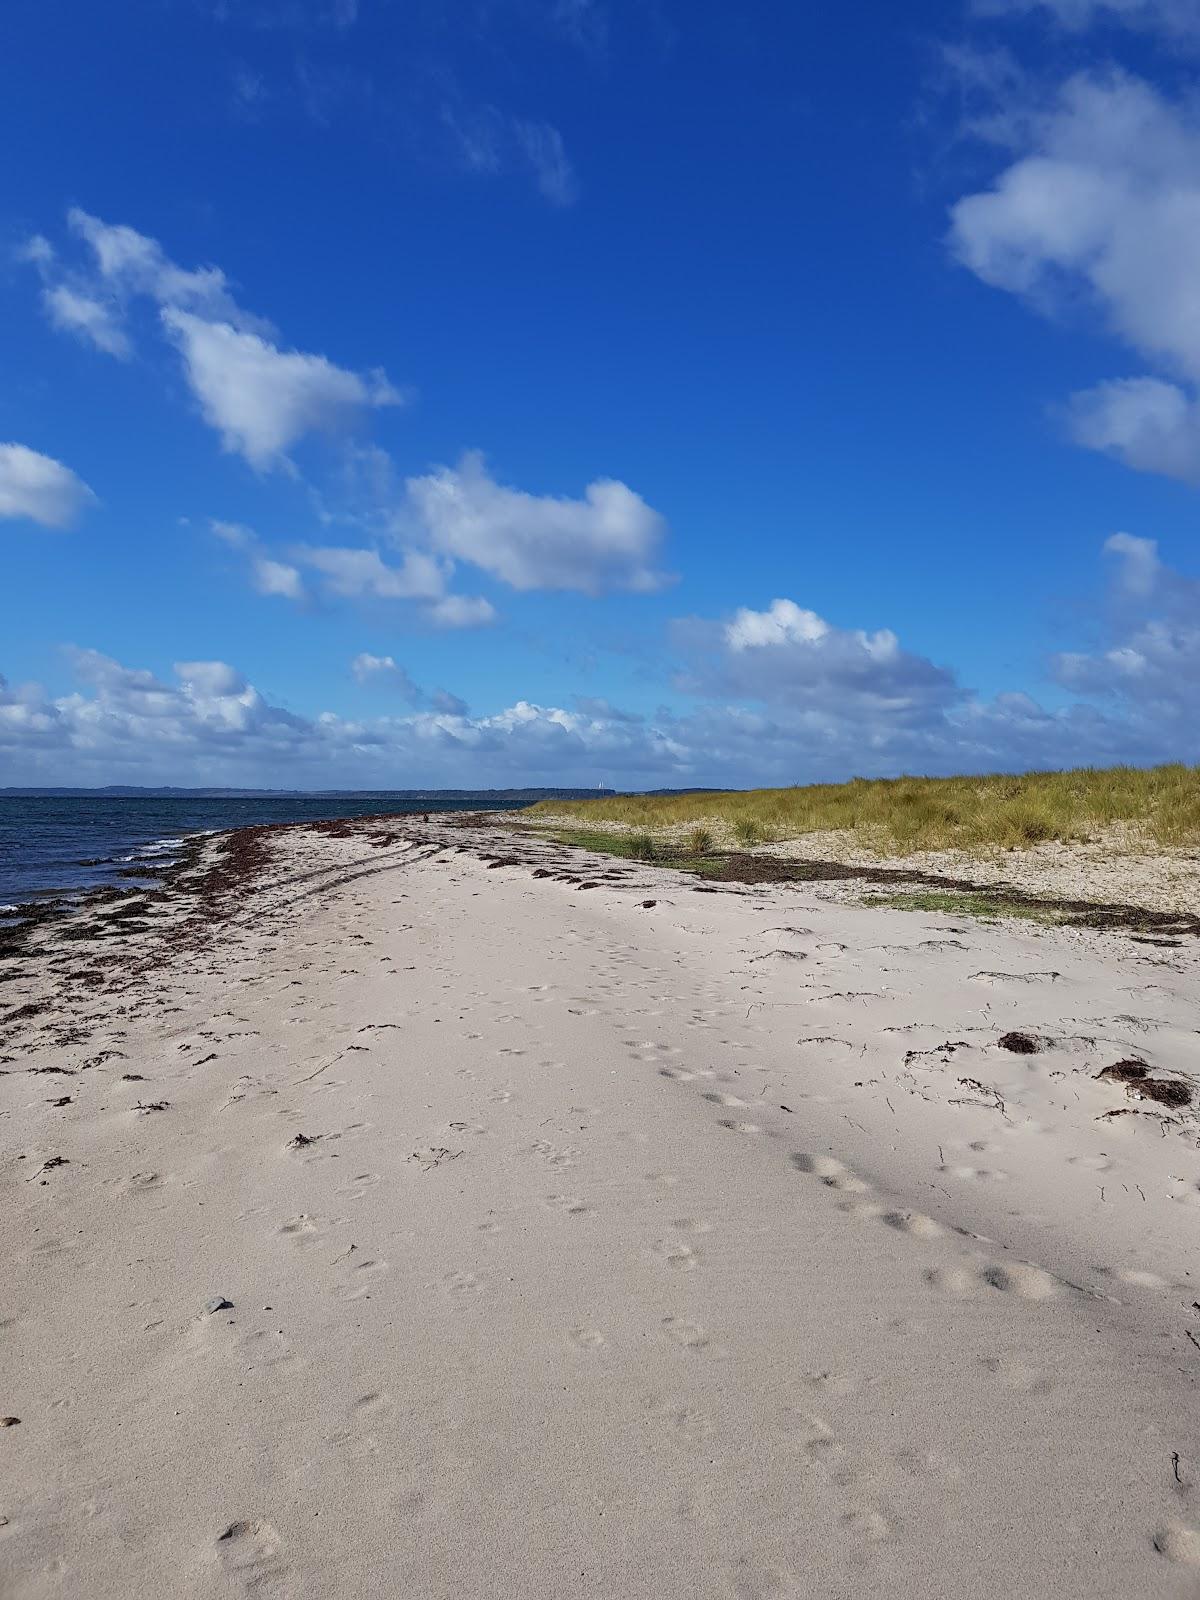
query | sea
(63,844)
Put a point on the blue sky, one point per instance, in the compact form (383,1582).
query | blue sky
(559,391)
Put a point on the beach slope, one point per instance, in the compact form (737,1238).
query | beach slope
(400,1208)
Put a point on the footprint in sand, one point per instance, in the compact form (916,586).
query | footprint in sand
(1179,1544)
(728,1100)
(362,1280)
(1016,1278)
(462,1283)
(974,1174)
(249,1547)
(688,1335)
(678,1255)
(303,1230)
(1015,1374)
(358,1186)
(834,1174)
(587,1338)
(738,1127)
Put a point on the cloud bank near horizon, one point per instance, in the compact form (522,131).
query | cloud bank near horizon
(776,696)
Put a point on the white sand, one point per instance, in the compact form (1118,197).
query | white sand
(634,1255)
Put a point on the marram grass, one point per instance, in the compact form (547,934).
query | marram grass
(1155,806)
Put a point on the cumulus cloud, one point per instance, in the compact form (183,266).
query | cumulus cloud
(1149,661)
(607,540)
(1101,208)
(37,488)
(363,574)
(260,398)
(384,670)
(791,655)
(782,696)
(348,572)
(277,578)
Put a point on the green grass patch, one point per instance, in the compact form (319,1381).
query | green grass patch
(956,904)
(898,816)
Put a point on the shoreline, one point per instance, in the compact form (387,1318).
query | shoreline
(421,1207)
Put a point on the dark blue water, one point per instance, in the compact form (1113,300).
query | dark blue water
(51,844)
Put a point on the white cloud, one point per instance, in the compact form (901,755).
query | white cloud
(262,400)
(488,142)
(1148,424)
(96,321)
(1179,18)
(462,611)
(790,699)
(791,655)
(783,623)
(131,263)
(363,574)
(1102,207)
(547,155)
(609,539)
(385,670)
(277,578)
(1149,663)
(39,489)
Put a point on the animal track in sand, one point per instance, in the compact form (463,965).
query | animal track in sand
(462,1282)
(571,1204)
(974,1174)
(1017,1278)
(587,1338)
(685,1074)
(716,1098)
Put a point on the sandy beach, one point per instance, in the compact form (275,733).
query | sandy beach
(415,1209)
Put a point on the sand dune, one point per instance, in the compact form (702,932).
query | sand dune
(402,1209)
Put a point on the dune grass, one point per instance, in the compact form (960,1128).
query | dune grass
(1159,805)
(987,907)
